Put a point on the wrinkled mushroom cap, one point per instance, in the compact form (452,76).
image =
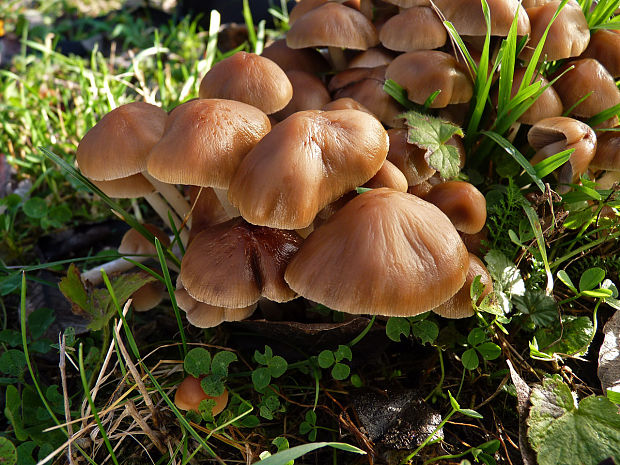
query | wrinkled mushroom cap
(462,203)
(234,263)
(189,394)
(119,144)
(248,78)
(205,140)
(423,72)
(307,161)
(384,252)
(332,25)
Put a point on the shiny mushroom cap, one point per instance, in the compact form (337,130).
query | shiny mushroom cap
(309,93)
(205,140)
(307,161)
(607,155)
(408,158)
(385,252)
(462,203)
(417,28)
(388,176)
(302,59)
(189,394)
(233,264)
(604,47)
(422,73)
(119,144)
(248,78)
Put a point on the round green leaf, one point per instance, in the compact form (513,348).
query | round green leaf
(426,330)
(59,215)
(212,385)
(35,207)
(206,409)
(304,427)
(476,336)
(341,371)
(343,352)
(197,362)
(8,453)
(397,327)
(221,360)
(12,362)
(489,351)
(470,359)
(277,366)
(591,278)
(326,359)
(261,377)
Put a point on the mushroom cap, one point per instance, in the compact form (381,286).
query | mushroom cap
(568,36)
(207,210)
(302,59)
(189,394)
(248,78)
(205,140)
(309,93)
(332,25)
(552,135)
(233,263)
(346,103)
(385,252)
(607,156)
(388,176)
(203,315)
(148,296)
(301,8)
(119,144)
(371,58)
(459,305)
(604,47)
(130,187)
(417,28)
(588,75)
(310,159)
(462,203)
(408,158)
(134,243)
(423,72)
(468,19)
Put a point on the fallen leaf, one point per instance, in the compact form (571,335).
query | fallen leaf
(609,355)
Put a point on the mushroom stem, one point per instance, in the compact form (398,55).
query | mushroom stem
(366,8)
(161,208)
(173,197)
(115,266)
(339,61)
(608,179)
(222,195)
(512,131)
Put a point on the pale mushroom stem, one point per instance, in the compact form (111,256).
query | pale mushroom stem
(339,61)
(366,8)
(114,267)
(222,195)
(161,208)
(608,179)
(173,197)
(512,131)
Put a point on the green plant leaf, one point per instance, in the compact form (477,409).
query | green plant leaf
(8,453)
(341,371)
(541,308)
(11,412)
(206,409)
(397,327)
(72,288)
(212,385)
(489,350)
(507,277)
(343,353)
(426,330)
(433,134)
(261,377)
(470,359)
(476,336)
(563,276)
(326,359)
(277,366)
(10,337)
(562,432)
(35,207)
(39,321)
(453,402)
(571,338)
(470,413)
(304,427)
(197,362)
(12,362)
(591,278)
(221,360)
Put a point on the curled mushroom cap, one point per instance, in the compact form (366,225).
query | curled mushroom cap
(568,35)
(307,161)
(119,144)
(385,252)
(233,264)
(248,78)
(421,73)
(607,156)
(417,28)
(332,25)
(462,203)
(203,315)
(190,393)
(205,140)
(604,47)
(553,135)
(459,305)
(587,77)
(468,18)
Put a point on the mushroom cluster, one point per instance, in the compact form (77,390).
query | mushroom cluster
(275,146)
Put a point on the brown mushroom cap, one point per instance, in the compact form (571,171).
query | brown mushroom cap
(233,263)
(607,156)
(205,140)
(148,296)
(604,47)
(459,305)
(371,58)
(189,394)
(207,210)
(203,315)
(468,19)
(417,28)
(302,59)
(388,176)
(385,252)
(462,203)
(309,93)
(248,78)
(552,135)
(130,187)
(346,103)
(134,243)
(332,25)
(309,160)
(119,144)
(408,158)
(568,36)
(587,76)
(423,72)
(301,8)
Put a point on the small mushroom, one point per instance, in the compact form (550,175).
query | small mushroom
(462,203)
(189,394)
(417,28)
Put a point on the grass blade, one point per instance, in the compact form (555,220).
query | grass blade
(285,456)
(550,164)
(537,228)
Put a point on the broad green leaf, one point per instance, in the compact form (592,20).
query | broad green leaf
(35,208)
(8,453)
(540,307)
(277,366)
(197,362)
(11,337)
(433,134)
(326,359)
(397,327)
(591,278)
(470,359)
(11,412)
(221,360)
(39,321)
(72,288)
(283,457)
(212,385)
(563,276)
(343,353)
(476,336)
(341,371)
(489,350)
(562,432)
(261,377)
(572,337)
(426,330)
(12,362)
(507,277)
(206,409)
